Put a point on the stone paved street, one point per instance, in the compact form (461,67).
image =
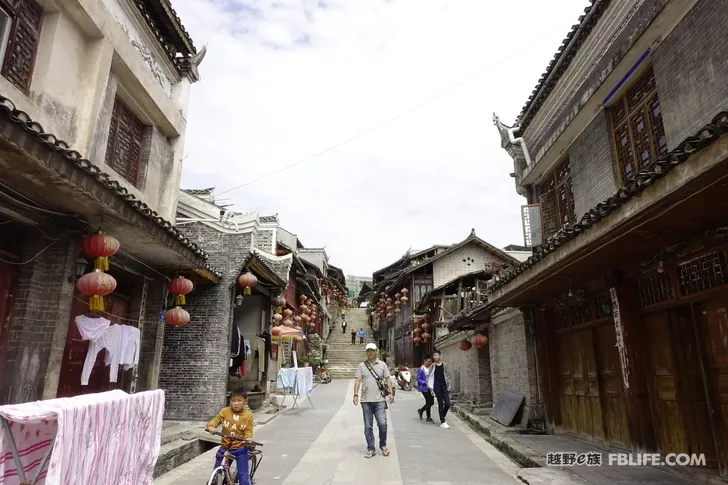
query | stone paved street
(326,446)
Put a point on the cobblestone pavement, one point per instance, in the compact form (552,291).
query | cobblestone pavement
(325,446)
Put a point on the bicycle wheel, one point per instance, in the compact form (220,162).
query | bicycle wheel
(217,477)
(233,473)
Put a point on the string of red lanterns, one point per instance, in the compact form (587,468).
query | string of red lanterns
(98,284)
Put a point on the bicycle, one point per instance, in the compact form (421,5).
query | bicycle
(227,472)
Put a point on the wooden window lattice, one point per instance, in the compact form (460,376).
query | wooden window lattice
(23,43)
(582,313)
(637,128)
(655,289)
(603,306)
(124,147)
(557,200)
(702,273)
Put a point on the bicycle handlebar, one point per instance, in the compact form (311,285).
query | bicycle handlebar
(237,438)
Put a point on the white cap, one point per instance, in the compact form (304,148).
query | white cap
(371,347)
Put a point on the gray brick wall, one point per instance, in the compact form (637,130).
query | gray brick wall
(152,337)
(470,371)
(42,308)
(592,169)
(691,70)
(264,241)
(194,361)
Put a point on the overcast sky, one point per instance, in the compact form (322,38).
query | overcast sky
(285,80)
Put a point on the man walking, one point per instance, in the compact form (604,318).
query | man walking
(362,334)
(353,336)
(438,382)
(343,327)
(376,390)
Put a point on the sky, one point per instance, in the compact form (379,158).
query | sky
(285,80)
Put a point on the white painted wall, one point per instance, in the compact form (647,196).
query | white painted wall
(450,266)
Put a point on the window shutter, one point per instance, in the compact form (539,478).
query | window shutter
(124,146)
(23,44)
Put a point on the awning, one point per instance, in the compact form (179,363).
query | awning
(59,178)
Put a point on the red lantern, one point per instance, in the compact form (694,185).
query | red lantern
(397,303)
(297,319)
(397,296)
(405,300)
(426,336)
(287,323)
(465,345)
(298,338)
(417,331)
(247,281)
(309,302)
(426,317)
(417,340)
(302,298)
(177,317)
(101,247)
(278,317)
(426,326)
(418,321)
(275,331)
(302,308)
(397,311)
(279,303)
(96,286)
(404,291)
(287,312)
(480,341)
(180,286)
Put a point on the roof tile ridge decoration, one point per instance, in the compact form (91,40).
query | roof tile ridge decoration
(265,261)
(207,191)
(690,146)
(168,48)
(23,119)
(581,31)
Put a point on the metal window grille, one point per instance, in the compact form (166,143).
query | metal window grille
(702,273)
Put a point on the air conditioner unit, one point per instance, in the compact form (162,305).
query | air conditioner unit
(532,232)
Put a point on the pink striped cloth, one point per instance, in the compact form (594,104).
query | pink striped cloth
(105,438)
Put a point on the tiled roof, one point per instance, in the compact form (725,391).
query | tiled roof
(268,219)
(207,191)
(167,27)
(7,108)
(563,57)
(690,146)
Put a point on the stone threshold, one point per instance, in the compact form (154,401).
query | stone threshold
(506,439)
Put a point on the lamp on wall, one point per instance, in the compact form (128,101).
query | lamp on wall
(239,301)
(79,269)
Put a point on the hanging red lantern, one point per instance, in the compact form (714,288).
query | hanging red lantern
(297,319)
(480,341)
(417,331)
(302,308)
(302,298)
(397,303)
(247,281)
(465,345)
(275,331)
(398,295)
(404,300)
(426,336)
(287,312)
(101,247)
(397,311)
(426,317)
(309,302)
(96,286)
(279,302)
(404,291)
(278,317)
(287,323)
(180,287)
(390,315)
(426,326)
(177,317)
(417,340)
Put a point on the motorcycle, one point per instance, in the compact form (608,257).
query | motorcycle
(404,378)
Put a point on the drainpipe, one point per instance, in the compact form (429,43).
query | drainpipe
(574,39)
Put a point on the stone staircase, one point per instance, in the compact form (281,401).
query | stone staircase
(343,357)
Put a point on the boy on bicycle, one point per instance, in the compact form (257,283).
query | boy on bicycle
(236,421)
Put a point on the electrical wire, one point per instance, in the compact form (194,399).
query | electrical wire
(117,317)
(31,259)
(390,120)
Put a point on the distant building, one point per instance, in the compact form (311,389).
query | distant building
(355,283)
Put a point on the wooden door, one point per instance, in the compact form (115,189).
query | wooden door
(712,317)
(676,401)
(8,277)
(616,425)
(74,355)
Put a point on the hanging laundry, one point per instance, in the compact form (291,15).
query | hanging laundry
(262,355)
(91,328)
(111,341)
(236,352)
(129,348)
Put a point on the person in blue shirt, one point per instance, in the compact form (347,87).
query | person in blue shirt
(362,334)
(422,375)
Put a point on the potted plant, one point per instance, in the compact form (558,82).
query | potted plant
(305,360)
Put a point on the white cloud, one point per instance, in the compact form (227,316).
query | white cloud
(287,79)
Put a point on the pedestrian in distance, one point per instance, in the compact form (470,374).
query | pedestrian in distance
(422,375)
(343,327)
(362,334)
(353,337)
(438,382)
(236,421)
(376,390)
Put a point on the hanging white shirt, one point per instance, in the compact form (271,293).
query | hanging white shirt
(111,341)
(129,347)
(91,328)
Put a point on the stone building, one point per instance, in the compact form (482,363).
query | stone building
(621,152)
(93,99)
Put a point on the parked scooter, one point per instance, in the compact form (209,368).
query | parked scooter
(404,378)
(324,374)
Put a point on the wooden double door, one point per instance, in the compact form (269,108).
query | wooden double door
(591,390)
(688,378)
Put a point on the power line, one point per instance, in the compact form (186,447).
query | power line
(404,113)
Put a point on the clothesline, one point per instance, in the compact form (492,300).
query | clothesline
(107,313)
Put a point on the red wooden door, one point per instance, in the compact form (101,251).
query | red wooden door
(8,273)
(74,355)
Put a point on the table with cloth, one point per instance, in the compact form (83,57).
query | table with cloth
(296,382)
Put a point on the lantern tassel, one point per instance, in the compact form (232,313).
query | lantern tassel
(101,263)
(246,291)
(279,310)
(179,300)
(96,303)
